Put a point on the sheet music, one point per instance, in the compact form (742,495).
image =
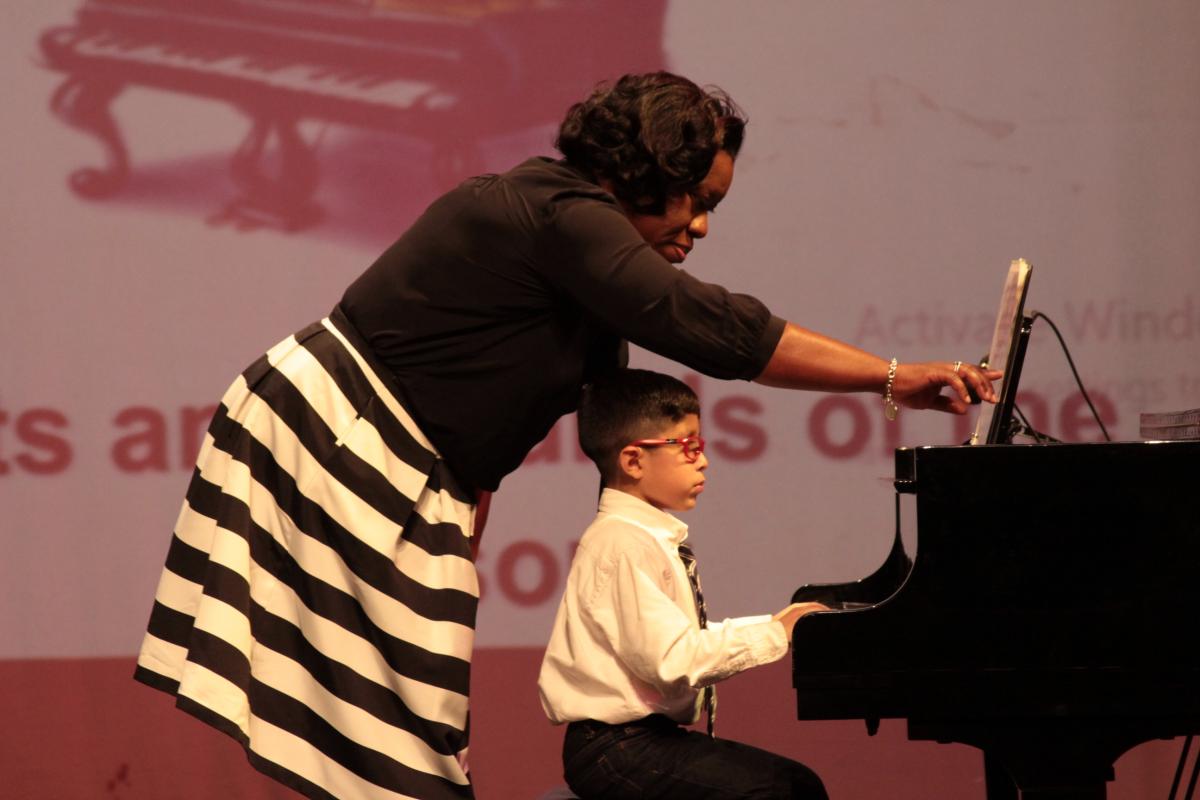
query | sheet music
(1012,300)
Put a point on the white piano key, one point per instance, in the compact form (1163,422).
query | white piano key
(320,79)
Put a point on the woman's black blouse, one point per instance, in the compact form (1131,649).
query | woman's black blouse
(512,291)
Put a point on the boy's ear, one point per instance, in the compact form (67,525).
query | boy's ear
(629,462)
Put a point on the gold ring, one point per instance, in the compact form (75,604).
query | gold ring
(957,364)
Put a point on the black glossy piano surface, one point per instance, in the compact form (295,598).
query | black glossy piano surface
(1049,615)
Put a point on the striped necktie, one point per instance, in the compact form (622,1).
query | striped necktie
(688,557)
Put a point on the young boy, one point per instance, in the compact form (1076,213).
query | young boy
(631,659)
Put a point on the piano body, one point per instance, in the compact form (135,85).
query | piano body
(1050,616)
(451,72)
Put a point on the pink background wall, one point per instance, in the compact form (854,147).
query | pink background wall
(898,157)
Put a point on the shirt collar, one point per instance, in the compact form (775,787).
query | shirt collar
(641,513)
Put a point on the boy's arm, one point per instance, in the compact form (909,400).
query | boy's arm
(795,611)
(660,643)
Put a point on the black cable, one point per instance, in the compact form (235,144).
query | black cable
(1075,372)
(1038,437)
(1187,745)
(1026,428)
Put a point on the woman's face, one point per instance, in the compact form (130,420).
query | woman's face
(673,233)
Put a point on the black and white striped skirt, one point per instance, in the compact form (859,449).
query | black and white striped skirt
(318,602)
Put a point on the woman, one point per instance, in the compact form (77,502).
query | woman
(319,598)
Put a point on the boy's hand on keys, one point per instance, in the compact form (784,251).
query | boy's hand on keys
(795,611)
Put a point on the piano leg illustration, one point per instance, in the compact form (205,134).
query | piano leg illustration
(281,199)
(83,103)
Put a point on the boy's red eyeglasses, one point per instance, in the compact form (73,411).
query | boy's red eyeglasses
(693,446)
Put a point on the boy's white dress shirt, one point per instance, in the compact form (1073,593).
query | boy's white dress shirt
(627,641)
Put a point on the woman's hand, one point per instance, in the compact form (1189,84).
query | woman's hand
(920,386)
(804,359)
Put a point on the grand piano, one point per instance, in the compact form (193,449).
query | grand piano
(1048,615)
(450,72)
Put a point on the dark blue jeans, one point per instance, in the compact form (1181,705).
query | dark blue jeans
(656,757)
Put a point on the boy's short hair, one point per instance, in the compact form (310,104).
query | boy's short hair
(625,405)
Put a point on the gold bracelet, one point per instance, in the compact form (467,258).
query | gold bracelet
(890,409)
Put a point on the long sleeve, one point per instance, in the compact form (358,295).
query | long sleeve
(636,606)
(626,641)
(513,291)
(596,256)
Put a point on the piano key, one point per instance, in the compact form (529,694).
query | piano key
(372,88)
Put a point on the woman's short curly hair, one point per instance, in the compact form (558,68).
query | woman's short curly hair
(622,405)
(652,135)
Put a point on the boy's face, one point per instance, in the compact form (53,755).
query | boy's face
(666,479)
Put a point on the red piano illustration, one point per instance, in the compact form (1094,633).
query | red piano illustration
(453,73)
